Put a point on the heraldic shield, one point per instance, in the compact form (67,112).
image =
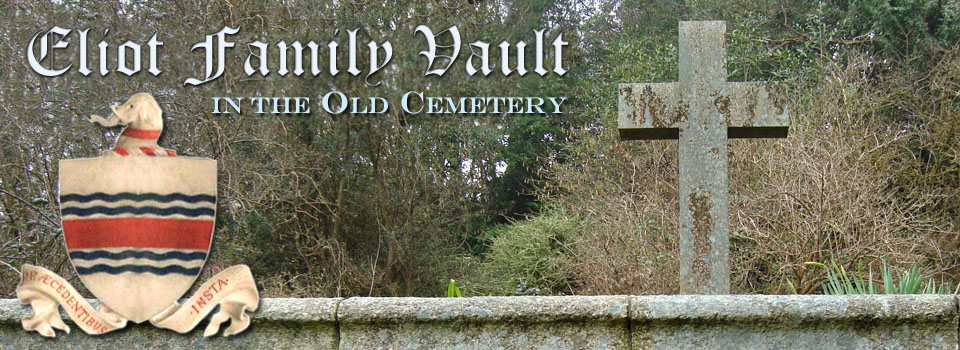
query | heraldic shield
(138,222)
(138,229)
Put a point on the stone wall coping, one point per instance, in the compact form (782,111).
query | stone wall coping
(794,308)
(271,309)
(660,308)
(522,309)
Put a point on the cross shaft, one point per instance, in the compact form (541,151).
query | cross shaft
(702,110)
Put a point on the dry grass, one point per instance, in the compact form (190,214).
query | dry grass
(829,191)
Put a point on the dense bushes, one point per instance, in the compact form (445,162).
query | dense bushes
(528,258)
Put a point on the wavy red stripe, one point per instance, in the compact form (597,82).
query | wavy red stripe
(138,233)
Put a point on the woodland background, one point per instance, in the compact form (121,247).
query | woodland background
(398,205)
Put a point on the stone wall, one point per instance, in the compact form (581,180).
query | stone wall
(602,322)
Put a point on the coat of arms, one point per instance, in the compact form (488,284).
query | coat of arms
(138,222)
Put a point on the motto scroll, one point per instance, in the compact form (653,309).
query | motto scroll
(232,289)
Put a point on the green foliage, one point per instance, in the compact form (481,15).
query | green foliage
(530,139)
(452,290)
(904,28)
(528,257)
(911,281)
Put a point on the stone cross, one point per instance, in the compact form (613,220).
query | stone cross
(702,110)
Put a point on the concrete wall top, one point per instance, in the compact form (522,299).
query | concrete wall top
(556,322)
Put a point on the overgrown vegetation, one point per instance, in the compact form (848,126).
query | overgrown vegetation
(529,257)
(399,204)
(868,174)
(840,282)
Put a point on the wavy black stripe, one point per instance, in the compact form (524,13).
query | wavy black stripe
(116,270)
(137,211)
(137,254)
(100,196)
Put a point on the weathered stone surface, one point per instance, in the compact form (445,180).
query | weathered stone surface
(485,323)
(702,110)
(794,322)
(703,180)
(604,322)
(278,324)
(657,111)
